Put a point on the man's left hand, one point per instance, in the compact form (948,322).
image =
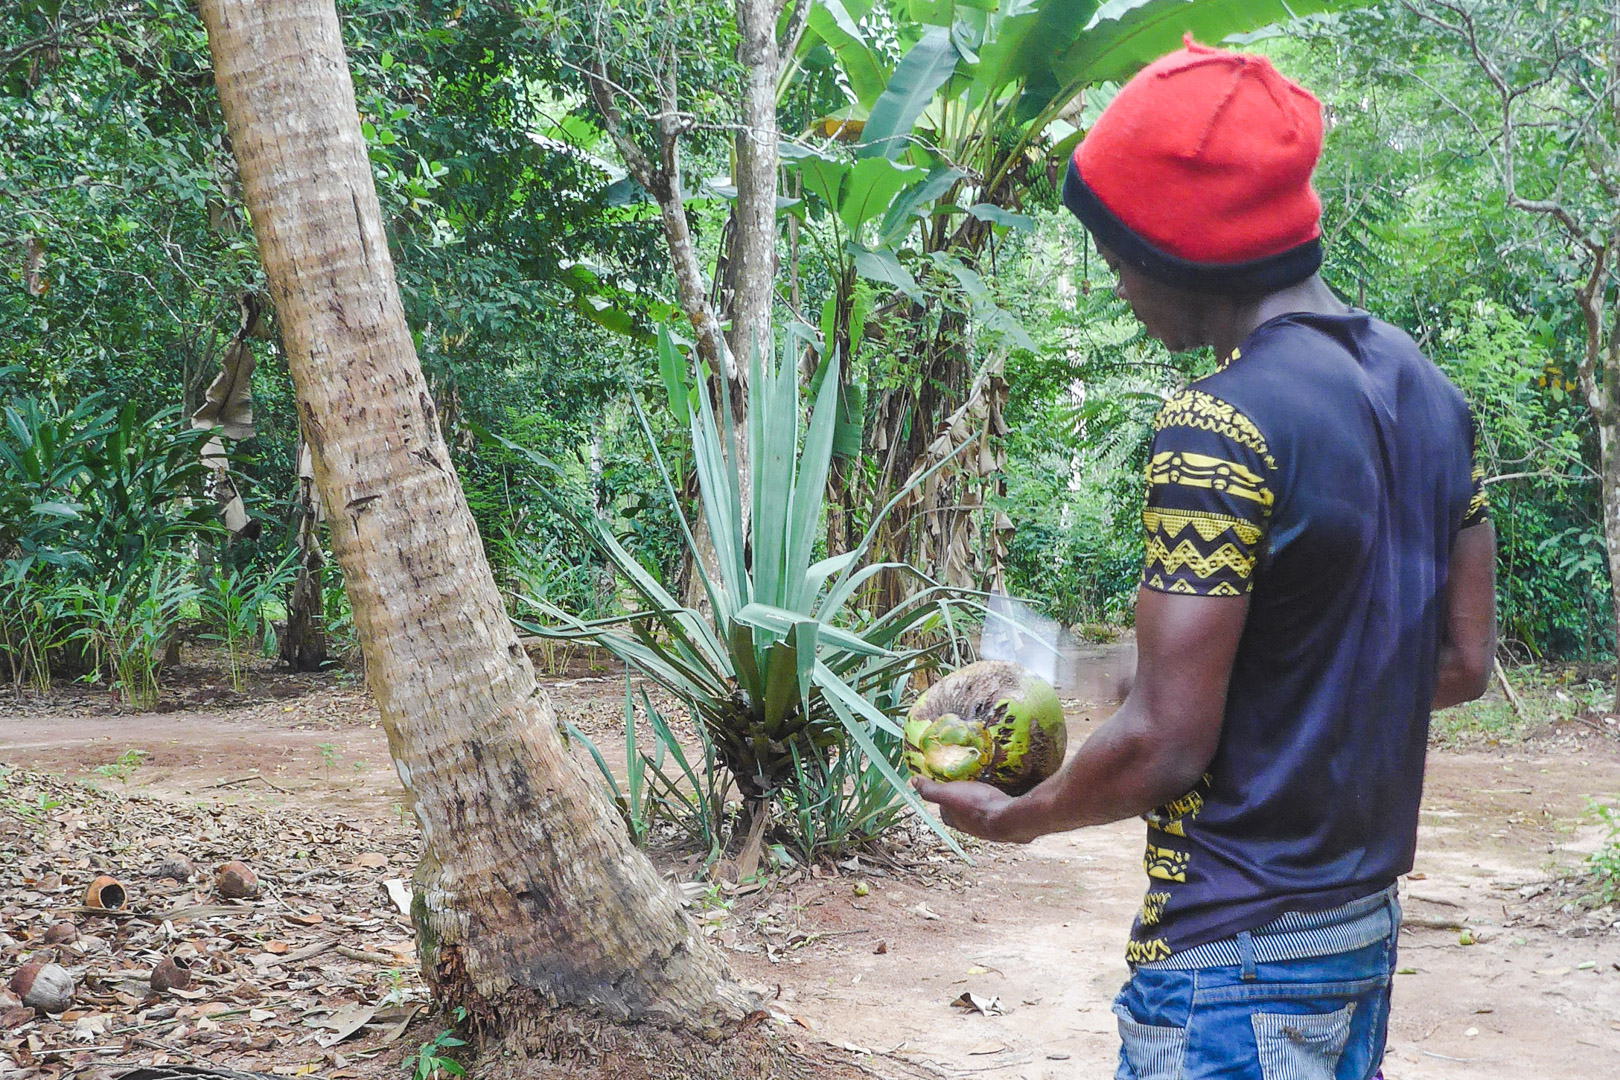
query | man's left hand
(969,806)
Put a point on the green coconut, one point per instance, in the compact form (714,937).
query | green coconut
(991,721)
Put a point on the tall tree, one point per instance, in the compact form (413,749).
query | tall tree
(532,908)
(1545,108)
(639,73)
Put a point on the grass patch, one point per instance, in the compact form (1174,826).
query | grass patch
(1547,695)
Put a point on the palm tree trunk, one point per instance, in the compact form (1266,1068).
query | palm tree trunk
(529,896)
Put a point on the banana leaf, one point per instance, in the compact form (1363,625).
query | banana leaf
(1126,35)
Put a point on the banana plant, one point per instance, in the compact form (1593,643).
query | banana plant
(982,85)
(956,110)
(780,667)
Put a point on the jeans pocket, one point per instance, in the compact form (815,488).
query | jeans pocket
(1301,1046)
(1147,1051)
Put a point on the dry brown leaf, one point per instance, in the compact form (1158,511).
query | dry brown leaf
(400,893)
(971,1002)
(345,1022)
(408,1013)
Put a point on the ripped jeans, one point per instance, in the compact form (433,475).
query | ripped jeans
(1319,1017)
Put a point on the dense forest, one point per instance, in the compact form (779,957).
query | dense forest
(535,277)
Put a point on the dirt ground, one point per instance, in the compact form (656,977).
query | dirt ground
(860,954)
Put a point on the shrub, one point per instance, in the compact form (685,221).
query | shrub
(782,680)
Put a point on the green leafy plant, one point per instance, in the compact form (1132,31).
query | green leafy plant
(32,630)
(432,1061)
(90,499)
(44,455)
(125,625)
(778,667)
(123,767)
(138,490)
(337,614)
(663,783)
(538,567)
(240,603)
(1604,863)
(329,754)
(837,803)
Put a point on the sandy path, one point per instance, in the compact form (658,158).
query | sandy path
(1039,927)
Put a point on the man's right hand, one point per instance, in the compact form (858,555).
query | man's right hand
(970,806)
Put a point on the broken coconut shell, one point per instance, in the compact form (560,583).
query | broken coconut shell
(43,987)
(992,721)
(12,1011)
(236,881)
(176,866)
(107,893)
(61,933)
(171,973)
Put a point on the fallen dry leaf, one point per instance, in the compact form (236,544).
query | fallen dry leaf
(406,1015)
(400,893)
(345,1022)
(989,1006)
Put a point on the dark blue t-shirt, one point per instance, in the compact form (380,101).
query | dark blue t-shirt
(1324,471)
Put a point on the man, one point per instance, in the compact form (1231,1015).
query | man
(1319,576)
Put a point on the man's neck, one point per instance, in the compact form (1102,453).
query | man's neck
(1311,296)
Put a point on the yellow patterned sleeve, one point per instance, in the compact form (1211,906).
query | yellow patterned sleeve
(1209,497)
(1479,504)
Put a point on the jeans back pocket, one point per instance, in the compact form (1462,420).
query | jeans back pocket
(1302,1046)
(1147,1051)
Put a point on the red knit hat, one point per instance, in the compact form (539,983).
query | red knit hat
(1199,173)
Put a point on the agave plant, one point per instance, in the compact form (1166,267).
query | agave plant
(779,669)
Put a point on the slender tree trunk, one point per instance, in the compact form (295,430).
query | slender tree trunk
(529,896)
(1599,380)
(303,646)
(1608,436)
(753,251)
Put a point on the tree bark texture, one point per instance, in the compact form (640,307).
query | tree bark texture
(1599,380)
(529,894)
(753,250)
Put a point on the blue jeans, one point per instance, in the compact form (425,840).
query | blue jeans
(1313,1018)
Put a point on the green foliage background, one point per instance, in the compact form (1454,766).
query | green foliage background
(533,276)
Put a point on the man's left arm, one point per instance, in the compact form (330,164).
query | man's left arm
(1153,750)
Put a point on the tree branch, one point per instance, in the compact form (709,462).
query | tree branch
(1589,297)
(1540,474)
(753,248)
(787,43)
(662,179)
(1465,29)
(65,29)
